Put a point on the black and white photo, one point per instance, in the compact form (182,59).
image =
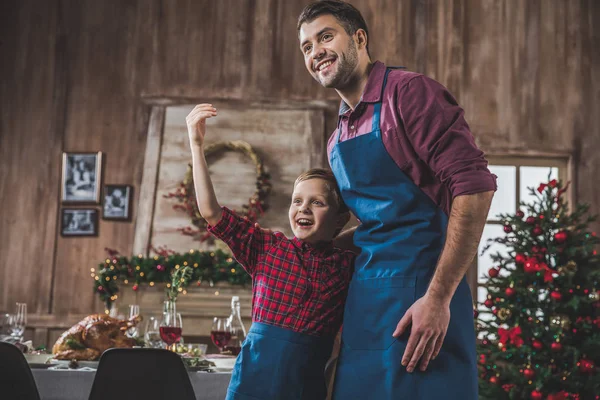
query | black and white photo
(117,201)
(79,222)
(81,174)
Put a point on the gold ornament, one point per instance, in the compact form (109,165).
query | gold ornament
(569,268)
(504,314)
(560,321)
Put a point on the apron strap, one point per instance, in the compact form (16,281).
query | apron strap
(376,110)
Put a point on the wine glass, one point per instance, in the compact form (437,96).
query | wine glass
(134,311)
(220,332)
(152,335)
(18,321)
(171,327)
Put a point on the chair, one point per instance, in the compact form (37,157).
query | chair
(16,379)
(149,374)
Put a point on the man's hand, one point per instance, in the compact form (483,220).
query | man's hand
(196,122)
(429,318)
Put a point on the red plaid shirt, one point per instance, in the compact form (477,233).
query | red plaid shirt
(294,285)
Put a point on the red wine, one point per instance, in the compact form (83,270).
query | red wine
(170,334)
(220,338)
(234,350)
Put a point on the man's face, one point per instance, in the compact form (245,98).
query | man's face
(330,54)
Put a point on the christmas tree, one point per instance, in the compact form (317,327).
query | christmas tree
(539,328)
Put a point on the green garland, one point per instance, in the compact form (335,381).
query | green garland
(204,267)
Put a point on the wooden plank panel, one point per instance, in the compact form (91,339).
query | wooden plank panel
(32,102)
(103,115)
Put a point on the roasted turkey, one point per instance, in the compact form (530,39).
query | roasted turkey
(90,337)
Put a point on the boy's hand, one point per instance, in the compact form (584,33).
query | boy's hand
(196,122)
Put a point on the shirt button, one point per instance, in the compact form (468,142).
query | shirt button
(352,127)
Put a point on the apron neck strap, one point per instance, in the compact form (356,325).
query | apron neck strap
(376,111)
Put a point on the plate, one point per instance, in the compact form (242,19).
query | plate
(38,358)
(89,364)
(223,364)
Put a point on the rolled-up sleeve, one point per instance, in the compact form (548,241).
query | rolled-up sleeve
(436,127)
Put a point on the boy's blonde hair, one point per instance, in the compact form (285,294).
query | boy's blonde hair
(331,183)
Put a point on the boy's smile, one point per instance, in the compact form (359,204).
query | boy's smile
(313,212)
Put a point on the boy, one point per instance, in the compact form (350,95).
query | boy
(299,285)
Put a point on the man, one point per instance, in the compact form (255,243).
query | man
(409,169)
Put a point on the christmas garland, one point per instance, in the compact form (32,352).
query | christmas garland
(176,270)
(257,204)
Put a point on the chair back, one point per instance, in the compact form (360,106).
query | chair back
(149,374)
(16,379)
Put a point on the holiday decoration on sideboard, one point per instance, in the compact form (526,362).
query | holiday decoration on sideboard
(186,197)
(205,268)
(541,330)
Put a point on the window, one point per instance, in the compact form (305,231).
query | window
(515,175)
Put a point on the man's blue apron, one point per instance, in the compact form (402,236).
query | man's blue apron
(280,364)
(401,235)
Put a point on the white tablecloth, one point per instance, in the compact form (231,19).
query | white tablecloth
(76,385)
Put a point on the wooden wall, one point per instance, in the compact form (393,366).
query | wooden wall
(78,76)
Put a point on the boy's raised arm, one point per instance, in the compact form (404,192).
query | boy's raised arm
(208,205)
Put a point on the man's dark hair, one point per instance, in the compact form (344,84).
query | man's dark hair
(346,14)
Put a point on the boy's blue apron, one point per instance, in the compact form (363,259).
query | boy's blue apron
(401,235)
(280,364)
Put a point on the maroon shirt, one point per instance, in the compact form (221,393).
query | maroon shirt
(294,285)
(424,131)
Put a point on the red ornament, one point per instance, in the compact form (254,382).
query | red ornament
(135,287)
(537,230)
(560,237)
(475,313)
(520,258)
(482,359)
(520,214)
(495,311)
(510,291)
(508,229)
(556,346)
(529,373)
(586,366)
(558,396)
(530,220)
(493,272)
(537,345)
(494,380)
(488,303)
(100,289)
(536,395)
(531,266)
(556,295)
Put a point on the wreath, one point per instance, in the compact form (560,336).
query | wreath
(257,204)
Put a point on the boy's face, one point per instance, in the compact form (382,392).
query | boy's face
(314,213)
(330,54)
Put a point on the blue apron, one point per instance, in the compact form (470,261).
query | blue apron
(280,364)
(401,235)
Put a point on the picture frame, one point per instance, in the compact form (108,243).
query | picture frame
(79,222)
(81,177)
(116,204)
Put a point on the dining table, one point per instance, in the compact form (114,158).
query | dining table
(76,384)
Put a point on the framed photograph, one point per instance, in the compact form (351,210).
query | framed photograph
(81,173)
(79,222)
(117,202)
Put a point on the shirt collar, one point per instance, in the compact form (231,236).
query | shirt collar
(320,249)
(372,93)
